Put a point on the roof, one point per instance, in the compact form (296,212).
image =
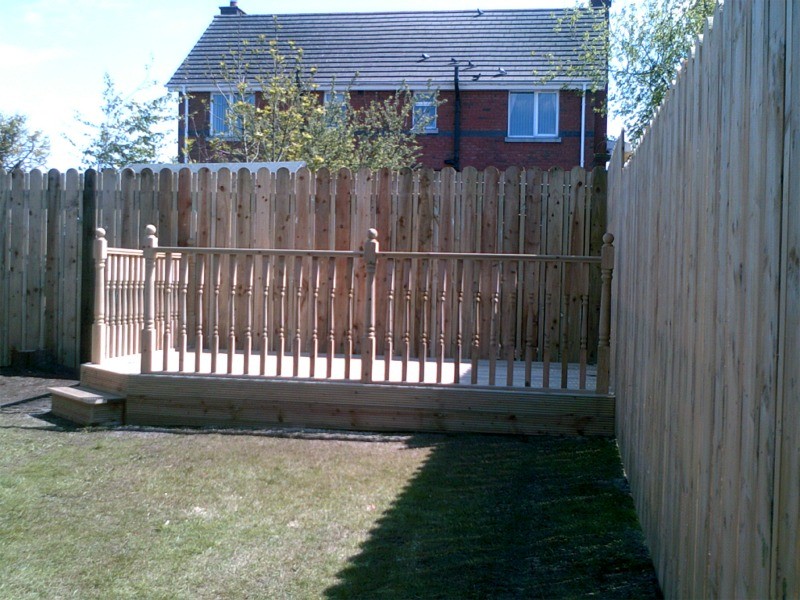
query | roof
(508,48)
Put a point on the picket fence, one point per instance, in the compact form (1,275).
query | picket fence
(46,271)
(706,215)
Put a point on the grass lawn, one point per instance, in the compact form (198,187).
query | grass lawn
(124,513)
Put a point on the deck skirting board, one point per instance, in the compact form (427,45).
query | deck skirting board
(251,402)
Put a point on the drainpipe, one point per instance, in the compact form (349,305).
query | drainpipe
(185,125)
(583,127)
(455,162)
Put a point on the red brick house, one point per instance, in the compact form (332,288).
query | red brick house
(489,67)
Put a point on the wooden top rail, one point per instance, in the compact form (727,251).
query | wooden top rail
(260,252)
(567,258)
(125,252)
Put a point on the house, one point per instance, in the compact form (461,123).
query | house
(504,101)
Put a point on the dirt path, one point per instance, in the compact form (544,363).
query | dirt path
(26,390)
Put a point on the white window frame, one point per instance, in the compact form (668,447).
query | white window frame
(537,135)
(333,96)
(216,98)
(425,100)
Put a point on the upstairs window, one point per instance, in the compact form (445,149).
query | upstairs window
(532,114)
(221,122)
(424,115)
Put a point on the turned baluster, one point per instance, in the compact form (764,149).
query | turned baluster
(99,329)
(389,339)
(200,267)
(371,249)
(148,332)
(298,333)
(604,342)
(183,282)
(248,307)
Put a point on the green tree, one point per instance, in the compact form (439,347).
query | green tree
(638,50)
(131,130)
(649,41)
(280,116)
(19,147)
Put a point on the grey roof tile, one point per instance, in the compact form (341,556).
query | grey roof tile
(381,50)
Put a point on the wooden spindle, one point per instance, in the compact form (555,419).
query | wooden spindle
(199,276)
(371,249)
(127,305)
(348,332)
(440,313)
(409,265)
(148,332)
(247,342)
(266,313)
(281,316)
(183,283)
(530,326)
(216,282)
(425,318)
(99,329)
(298,302)
(584,344)
(388,343)
(494,324)
(604,342)
(477,268)
(331,316)
(548,302)
(166,343)
(314,316)
(459,319)
(233,264)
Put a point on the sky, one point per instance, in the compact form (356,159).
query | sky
(55,52)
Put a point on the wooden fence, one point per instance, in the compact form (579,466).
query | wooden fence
(46,268)
(706,215)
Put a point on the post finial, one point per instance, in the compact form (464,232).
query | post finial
(608,238)
(372,234)
(99,233)
(150,230)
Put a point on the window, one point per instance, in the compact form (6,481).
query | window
(532,114)
(424,115)
(220,106)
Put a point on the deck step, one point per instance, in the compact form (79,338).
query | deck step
(87,406)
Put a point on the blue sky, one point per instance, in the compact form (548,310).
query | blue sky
(55,52)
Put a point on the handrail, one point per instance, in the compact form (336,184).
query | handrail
(277,299)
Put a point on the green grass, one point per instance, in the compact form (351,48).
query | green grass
(153,514)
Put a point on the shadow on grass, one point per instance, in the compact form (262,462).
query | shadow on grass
(500,517)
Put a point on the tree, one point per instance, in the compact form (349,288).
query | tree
(639,51)
(278,115)
(19,147)
(648,44)
(129,132)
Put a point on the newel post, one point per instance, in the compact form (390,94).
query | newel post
(99,324)
(149,331)
(603,345)
(371,248)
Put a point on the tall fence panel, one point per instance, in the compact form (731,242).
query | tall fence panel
(707,294)
(516,211)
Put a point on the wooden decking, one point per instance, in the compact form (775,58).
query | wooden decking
(240,400)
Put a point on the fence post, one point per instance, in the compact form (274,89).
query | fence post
(603,345)
(149,331)
(371,248)
(99,325)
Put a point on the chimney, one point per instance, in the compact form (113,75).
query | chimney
(234,9)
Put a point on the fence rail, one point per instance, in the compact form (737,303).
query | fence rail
(46,268)
(266,311)
(706,312)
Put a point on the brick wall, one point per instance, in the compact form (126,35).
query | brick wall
(484,127)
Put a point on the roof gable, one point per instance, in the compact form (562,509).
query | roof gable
(508,48)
